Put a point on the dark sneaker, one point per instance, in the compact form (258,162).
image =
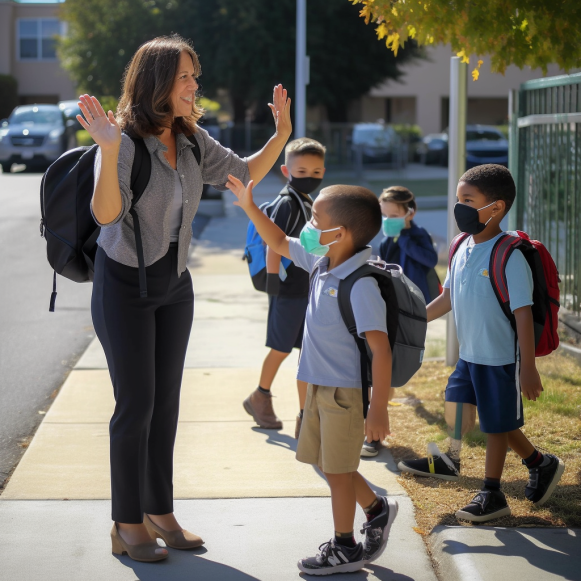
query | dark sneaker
(436,465)
(259,406)
(334,558)
(377,530)
(486,505)
(370,449)
(543,480)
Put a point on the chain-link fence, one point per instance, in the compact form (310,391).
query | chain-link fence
(545,159)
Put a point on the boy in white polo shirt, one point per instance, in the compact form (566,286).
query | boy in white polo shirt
(331,246)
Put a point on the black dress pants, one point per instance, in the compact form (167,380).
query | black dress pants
(145,341)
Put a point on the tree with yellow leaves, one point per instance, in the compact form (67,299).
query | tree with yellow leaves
(513,32)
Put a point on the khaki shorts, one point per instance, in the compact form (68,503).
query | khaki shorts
(332,431)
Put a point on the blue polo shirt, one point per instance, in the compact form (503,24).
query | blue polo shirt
(484,333)
(329,355)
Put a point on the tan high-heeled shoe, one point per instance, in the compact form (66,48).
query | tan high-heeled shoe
(143,552)
(175,539)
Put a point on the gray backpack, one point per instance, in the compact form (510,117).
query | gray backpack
(406,322)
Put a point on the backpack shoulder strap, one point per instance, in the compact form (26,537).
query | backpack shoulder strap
(455,244)
(499,256)
(196,148)
(344,292)
(140,170)
(346,310)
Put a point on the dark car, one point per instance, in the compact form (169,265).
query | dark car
(434,149)
(484,144)
(34,135)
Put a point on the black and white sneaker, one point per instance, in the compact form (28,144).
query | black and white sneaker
(377,530)
(436,465)
(334,558)
(486,505)
(544,479)
(370,449)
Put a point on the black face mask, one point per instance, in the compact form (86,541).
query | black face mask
(304,185)
(468,220)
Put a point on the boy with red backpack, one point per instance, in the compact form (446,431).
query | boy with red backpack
(504,304)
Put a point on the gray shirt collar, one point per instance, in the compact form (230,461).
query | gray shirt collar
(350,265)
(153,143)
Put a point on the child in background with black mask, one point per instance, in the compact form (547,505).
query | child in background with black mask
(288,289)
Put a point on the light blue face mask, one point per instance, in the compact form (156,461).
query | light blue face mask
(310,238)
(392,226)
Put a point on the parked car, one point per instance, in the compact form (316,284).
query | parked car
(376,141)
(71,109)
(434,149)
(35,135)
(484,144)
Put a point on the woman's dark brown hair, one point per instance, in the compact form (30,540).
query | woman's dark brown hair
(399,195)
(145,106)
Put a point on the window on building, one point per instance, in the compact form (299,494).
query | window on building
(37,38)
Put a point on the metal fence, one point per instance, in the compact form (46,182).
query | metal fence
(545,159)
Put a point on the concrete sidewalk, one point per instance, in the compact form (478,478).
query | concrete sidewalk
(238,486)
(258,509)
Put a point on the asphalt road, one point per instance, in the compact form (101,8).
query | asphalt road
(37,348)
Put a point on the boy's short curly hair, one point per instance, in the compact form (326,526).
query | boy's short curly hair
(357,209)
(303,146)
(400,196)
(494,181)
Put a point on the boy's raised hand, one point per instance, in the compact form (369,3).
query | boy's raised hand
(244,194)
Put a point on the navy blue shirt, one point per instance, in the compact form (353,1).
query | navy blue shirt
(414,251)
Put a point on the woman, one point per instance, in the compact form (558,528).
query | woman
(145,338)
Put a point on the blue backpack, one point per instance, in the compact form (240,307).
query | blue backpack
(255,248)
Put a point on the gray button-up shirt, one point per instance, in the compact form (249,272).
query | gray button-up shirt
(154,208)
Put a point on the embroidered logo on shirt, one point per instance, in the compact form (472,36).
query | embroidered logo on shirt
(331,292)
(484,272)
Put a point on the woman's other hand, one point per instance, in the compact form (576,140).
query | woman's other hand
(103,128)
(280,108)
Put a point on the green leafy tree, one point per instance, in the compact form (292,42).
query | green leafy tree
(521,32)
(104,34)
(245,47)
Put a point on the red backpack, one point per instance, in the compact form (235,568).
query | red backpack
(545,280)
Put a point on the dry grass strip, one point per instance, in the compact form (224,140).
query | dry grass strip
(553,424)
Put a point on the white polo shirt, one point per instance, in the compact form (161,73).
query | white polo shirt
(329,355)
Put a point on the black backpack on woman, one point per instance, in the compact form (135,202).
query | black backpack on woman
(67,224)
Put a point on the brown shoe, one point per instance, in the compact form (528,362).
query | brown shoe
(259,406)
(182,540)
(298,426)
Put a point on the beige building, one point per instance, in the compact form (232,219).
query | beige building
(27,51)
(422,96)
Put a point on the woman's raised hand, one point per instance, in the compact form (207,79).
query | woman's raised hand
(280,108)
(103,128)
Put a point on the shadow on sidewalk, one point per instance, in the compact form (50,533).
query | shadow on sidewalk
(552,550)
(381,573)
(182,565)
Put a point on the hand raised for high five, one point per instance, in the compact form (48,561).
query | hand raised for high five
(280,108)
(103,128)
(244,194)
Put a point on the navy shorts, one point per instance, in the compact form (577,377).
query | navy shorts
(494,390)
(286,322)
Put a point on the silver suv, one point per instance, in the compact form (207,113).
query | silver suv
(35,135)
